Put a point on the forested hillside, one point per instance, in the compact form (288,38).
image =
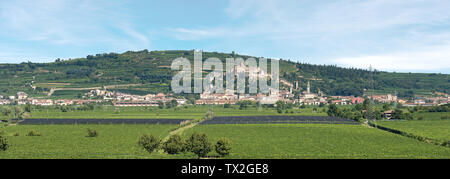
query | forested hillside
(151,71)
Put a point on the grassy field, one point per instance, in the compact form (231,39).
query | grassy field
(432,115)
(256,141)
(70,141)
(431,126)
(318,141)
(252,141)
(439,130)
(193,112)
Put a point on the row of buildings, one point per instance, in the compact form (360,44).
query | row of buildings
(304,98)
(128,100)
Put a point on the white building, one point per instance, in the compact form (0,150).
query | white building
(42,102)
(22,95)
(4,102)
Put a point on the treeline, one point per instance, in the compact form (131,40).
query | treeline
(197,143)
(368,111)
(442,108)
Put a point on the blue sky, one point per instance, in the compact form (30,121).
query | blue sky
(391,35)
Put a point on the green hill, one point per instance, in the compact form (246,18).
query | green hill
(149,72)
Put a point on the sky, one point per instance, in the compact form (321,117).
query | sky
(390,35)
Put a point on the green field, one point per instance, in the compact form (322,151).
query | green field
(319,141)
(110,112)
(431,115)
(70,141)
(192,112)
(439,130)
(250,141)
(255,141)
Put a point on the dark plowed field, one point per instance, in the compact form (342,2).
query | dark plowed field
(278,120)
(100,121)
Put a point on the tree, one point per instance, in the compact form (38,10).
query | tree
(359,107)
(18,113)
(279,111)
(281,105)
(28,108)
(397,114)
(3,143)
(173,103)
(160,105)
(333,110)
(366,103)
(386,107)
(321,105)
(64,108)
(227,105)
(371,112)
(6,111)
(149,142)
(198,144)
(34,133)
(244,104)
(223,147)
(174,145)
(408,116)
(92,133)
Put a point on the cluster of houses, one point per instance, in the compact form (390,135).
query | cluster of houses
(123,99)
(304,98)
(22,98)
(432,101)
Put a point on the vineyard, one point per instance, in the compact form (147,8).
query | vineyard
(70,141)
(100,121)
(439,130)
(191,112)
(318,141)
(293,135)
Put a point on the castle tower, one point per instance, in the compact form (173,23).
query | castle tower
(308,88)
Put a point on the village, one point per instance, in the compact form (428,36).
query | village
(306,97)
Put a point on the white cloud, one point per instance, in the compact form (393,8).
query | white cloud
(429,58)
(354,16)
(196,34)
(291,17)
(340,28)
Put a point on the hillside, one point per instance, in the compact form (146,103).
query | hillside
(149,72)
